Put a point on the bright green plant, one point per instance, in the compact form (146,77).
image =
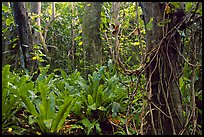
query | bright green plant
(90,126)
(103,96)
(39,99)
(10,102)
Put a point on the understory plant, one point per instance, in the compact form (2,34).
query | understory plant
(10,101)
(52,97)
(103,97)
(38,98)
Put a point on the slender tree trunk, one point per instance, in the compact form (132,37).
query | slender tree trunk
(91,37)
(35,8)
(164,109)
(38,37)
(73,35)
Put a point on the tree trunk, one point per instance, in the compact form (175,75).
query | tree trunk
(38,37)
(164,109)
(91,37)
(73,35)
(24,32)
(35,8)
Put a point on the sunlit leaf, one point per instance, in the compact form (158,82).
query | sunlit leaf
(93,106)
(34,58)
(136,43)
(80,43)
(176,4)
(90,100)
(149,25)
(48,122)
(4,30)
(181,83)
(5,8)
(102,108)
(9,21)
(189,5)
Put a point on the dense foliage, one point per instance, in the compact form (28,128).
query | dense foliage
(58,97)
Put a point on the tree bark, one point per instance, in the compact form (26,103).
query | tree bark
(38,37)
(35,8)
(91,37)
(24,32)
(73,35)
(164,109)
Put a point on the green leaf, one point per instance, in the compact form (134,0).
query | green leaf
(9,21)
(149,25)
(93,106)
(29,105)
(42,112)
(48,123)
(102,108)
(63,113)
(181,83)
(176,4)
(98,127)
(115,108)
(64,74)
(86,122)
(136,43)
(42,124)
(77,108)
(148,59)
(4,30)
(43,73)
(189,5)
(165,21)
(78,38)
(38,29)
(80,43)
(99,96)
(90,100)
(31,119)
(5,8)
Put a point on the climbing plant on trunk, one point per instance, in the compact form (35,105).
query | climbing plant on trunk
(163,22)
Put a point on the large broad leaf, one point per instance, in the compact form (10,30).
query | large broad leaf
(99,98)
(88,125)
(51,112)
(77,108)
(28,103)
(95,81)
(62,113)
(86,122)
